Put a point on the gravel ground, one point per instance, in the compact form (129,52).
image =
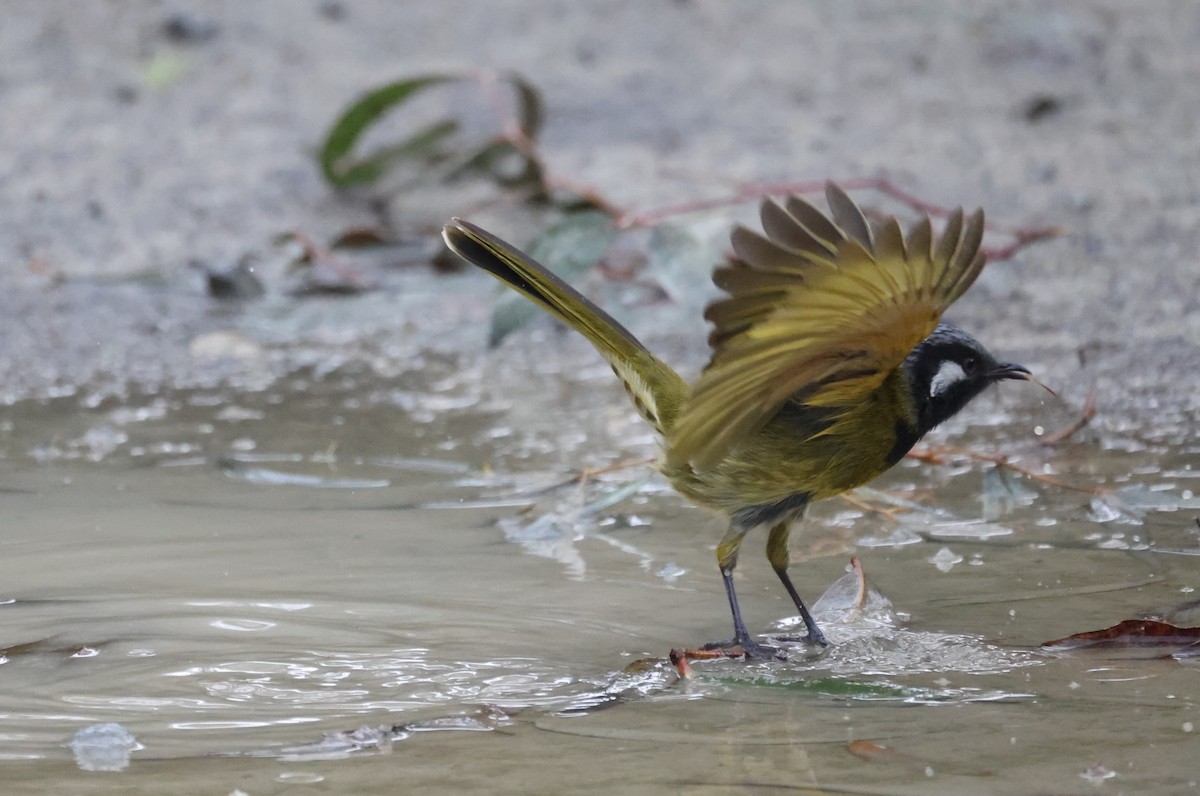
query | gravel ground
(141,135)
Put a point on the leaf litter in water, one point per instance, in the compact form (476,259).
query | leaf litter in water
(47,646)
(1003,491)
(555,533)
(1139,638)
(1129,505)
(873,752)
(341,744)
(915,522)
(272,477)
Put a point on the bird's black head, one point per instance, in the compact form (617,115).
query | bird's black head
(949,368)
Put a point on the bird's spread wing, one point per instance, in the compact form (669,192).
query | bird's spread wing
(820,310)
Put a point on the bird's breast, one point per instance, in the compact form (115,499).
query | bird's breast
(805,451)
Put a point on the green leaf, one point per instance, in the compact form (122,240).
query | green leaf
(502,162)
(570,248)
(530,111)
(164,70)
(1002,491)
(422,143)
(512,166)
(335,157)
(681,264)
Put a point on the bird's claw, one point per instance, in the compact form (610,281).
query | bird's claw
(745,648)
(816,639)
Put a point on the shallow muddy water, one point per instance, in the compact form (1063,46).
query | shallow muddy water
(344,583)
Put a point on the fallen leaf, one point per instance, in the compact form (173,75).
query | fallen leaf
(438,142)
(341,170)
(236,282)
(1134,634)
(873,752)
(359,238)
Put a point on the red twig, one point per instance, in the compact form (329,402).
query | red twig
(941,455)
(512,132)
(680,657)
(1024,236)
(318,254)
(1086,414)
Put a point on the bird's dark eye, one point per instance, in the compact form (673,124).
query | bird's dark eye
(970,365)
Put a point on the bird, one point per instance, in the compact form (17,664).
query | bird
(829,361)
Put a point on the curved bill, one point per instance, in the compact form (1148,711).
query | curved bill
(1011,370)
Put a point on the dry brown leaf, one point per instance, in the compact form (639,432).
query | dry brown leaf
(1132,634)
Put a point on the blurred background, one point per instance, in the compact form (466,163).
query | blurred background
(139,136)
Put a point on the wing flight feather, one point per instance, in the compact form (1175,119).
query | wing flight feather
(820,311)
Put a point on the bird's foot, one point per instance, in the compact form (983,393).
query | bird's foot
(745,648)
(812,638)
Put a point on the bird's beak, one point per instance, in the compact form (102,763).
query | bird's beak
(1011,370)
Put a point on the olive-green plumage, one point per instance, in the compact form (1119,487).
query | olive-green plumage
(829,362)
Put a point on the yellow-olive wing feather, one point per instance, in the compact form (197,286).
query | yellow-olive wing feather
(819,310)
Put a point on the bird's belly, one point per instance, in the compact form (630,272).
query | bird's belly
(778,464)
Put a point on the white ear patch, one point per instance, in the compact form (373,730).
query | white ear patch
(948,374)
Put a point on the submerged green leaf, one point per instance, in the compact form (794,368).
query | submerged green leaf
(570,249)
(1002,491)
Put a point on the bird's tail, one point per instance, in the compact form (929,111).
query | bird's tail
(656,389)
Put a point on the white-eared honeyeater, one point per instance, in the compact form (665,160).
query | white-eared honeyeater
(829,361)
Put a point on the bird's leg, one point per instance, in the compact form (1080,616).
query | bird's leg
(814,636)
(727,552)
(741,636)
(777,554)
